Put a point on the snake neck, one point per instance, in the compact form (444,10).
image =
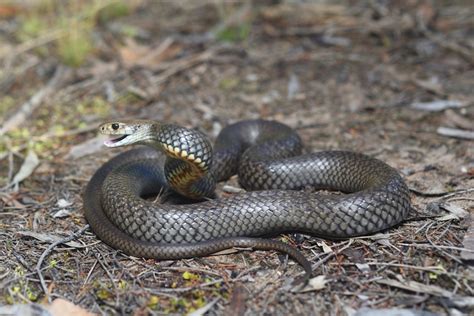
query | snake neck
(189,160)
(188,152)
(187,179)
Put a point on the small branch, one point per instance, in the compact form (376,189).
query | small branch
(182,65)
(464,52)
(455,132)
(48,251)
(39,41)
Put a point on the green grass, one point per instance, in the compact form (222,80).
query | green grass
(235,33)
(74,21)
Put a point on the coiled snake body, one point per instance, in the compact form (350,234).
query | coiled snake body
(267,157)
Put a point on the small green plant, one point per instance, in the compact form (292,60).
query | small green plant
(72,24)
(235,33)
(76,44)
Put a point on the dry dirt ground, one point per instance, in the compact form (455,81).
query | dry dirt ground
(392,79)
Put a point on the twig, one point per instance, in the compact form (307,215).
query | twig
(204,285)
(331,254)
(437,247)
(441,195)
(90,272)
(464,52)
(457,193)
(102,264)
(183,65)
(33,103)
(455,132)
(39,41)
(433,269)
(48,251)
(405,78)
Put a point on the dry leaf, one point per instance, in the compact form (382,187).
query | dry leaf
(455,212)
(62,213)
(49,238)
(201,311)
(62,307)
(134,54)
(27,168)
(324,246)
(315,284)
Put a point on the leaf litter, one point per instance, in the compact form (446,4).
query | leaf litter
(353,78)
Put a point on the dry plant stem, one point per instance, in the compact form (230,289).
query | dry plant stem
(438,248)
(181,65)
(39,41)
(106,270)
(331,254)
(464,52)
(48,251)
(456,193)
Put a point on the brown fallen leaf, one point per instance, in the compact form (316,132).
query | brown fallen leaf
(9,10)
(59,307)
(314,284)
(237,304)
(417,287)
(62,307)
(203,310)
(454,212)
(134,54)
(29,165)
(49,238)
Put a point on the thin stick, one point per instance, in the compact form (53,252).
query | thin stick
(48,251)
(182,65)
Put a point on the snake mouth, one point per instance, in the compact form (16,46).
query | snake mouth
(115,142)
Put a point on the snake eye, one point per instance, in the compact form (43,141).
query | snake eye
(115,126)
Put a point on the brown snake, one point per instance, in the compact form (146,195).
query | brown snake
(267,157)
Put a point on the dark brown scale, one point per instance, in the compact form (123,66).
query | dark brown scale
(266,155)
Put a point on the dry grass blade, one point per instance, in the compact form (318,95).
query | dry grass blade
(48,251)
(417,287)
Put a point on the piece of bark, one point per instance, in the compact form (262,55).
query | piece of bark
(468,242)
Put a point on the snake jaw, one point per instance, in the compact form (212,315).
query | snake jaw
(116,142)
(119,133)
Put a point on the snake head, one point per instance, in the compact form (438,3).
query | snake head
(126,132)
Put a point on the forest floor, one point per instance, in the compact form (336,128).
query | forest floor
(394,81)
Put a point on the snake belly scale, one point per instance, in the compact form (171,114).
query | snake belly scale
(267,157)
